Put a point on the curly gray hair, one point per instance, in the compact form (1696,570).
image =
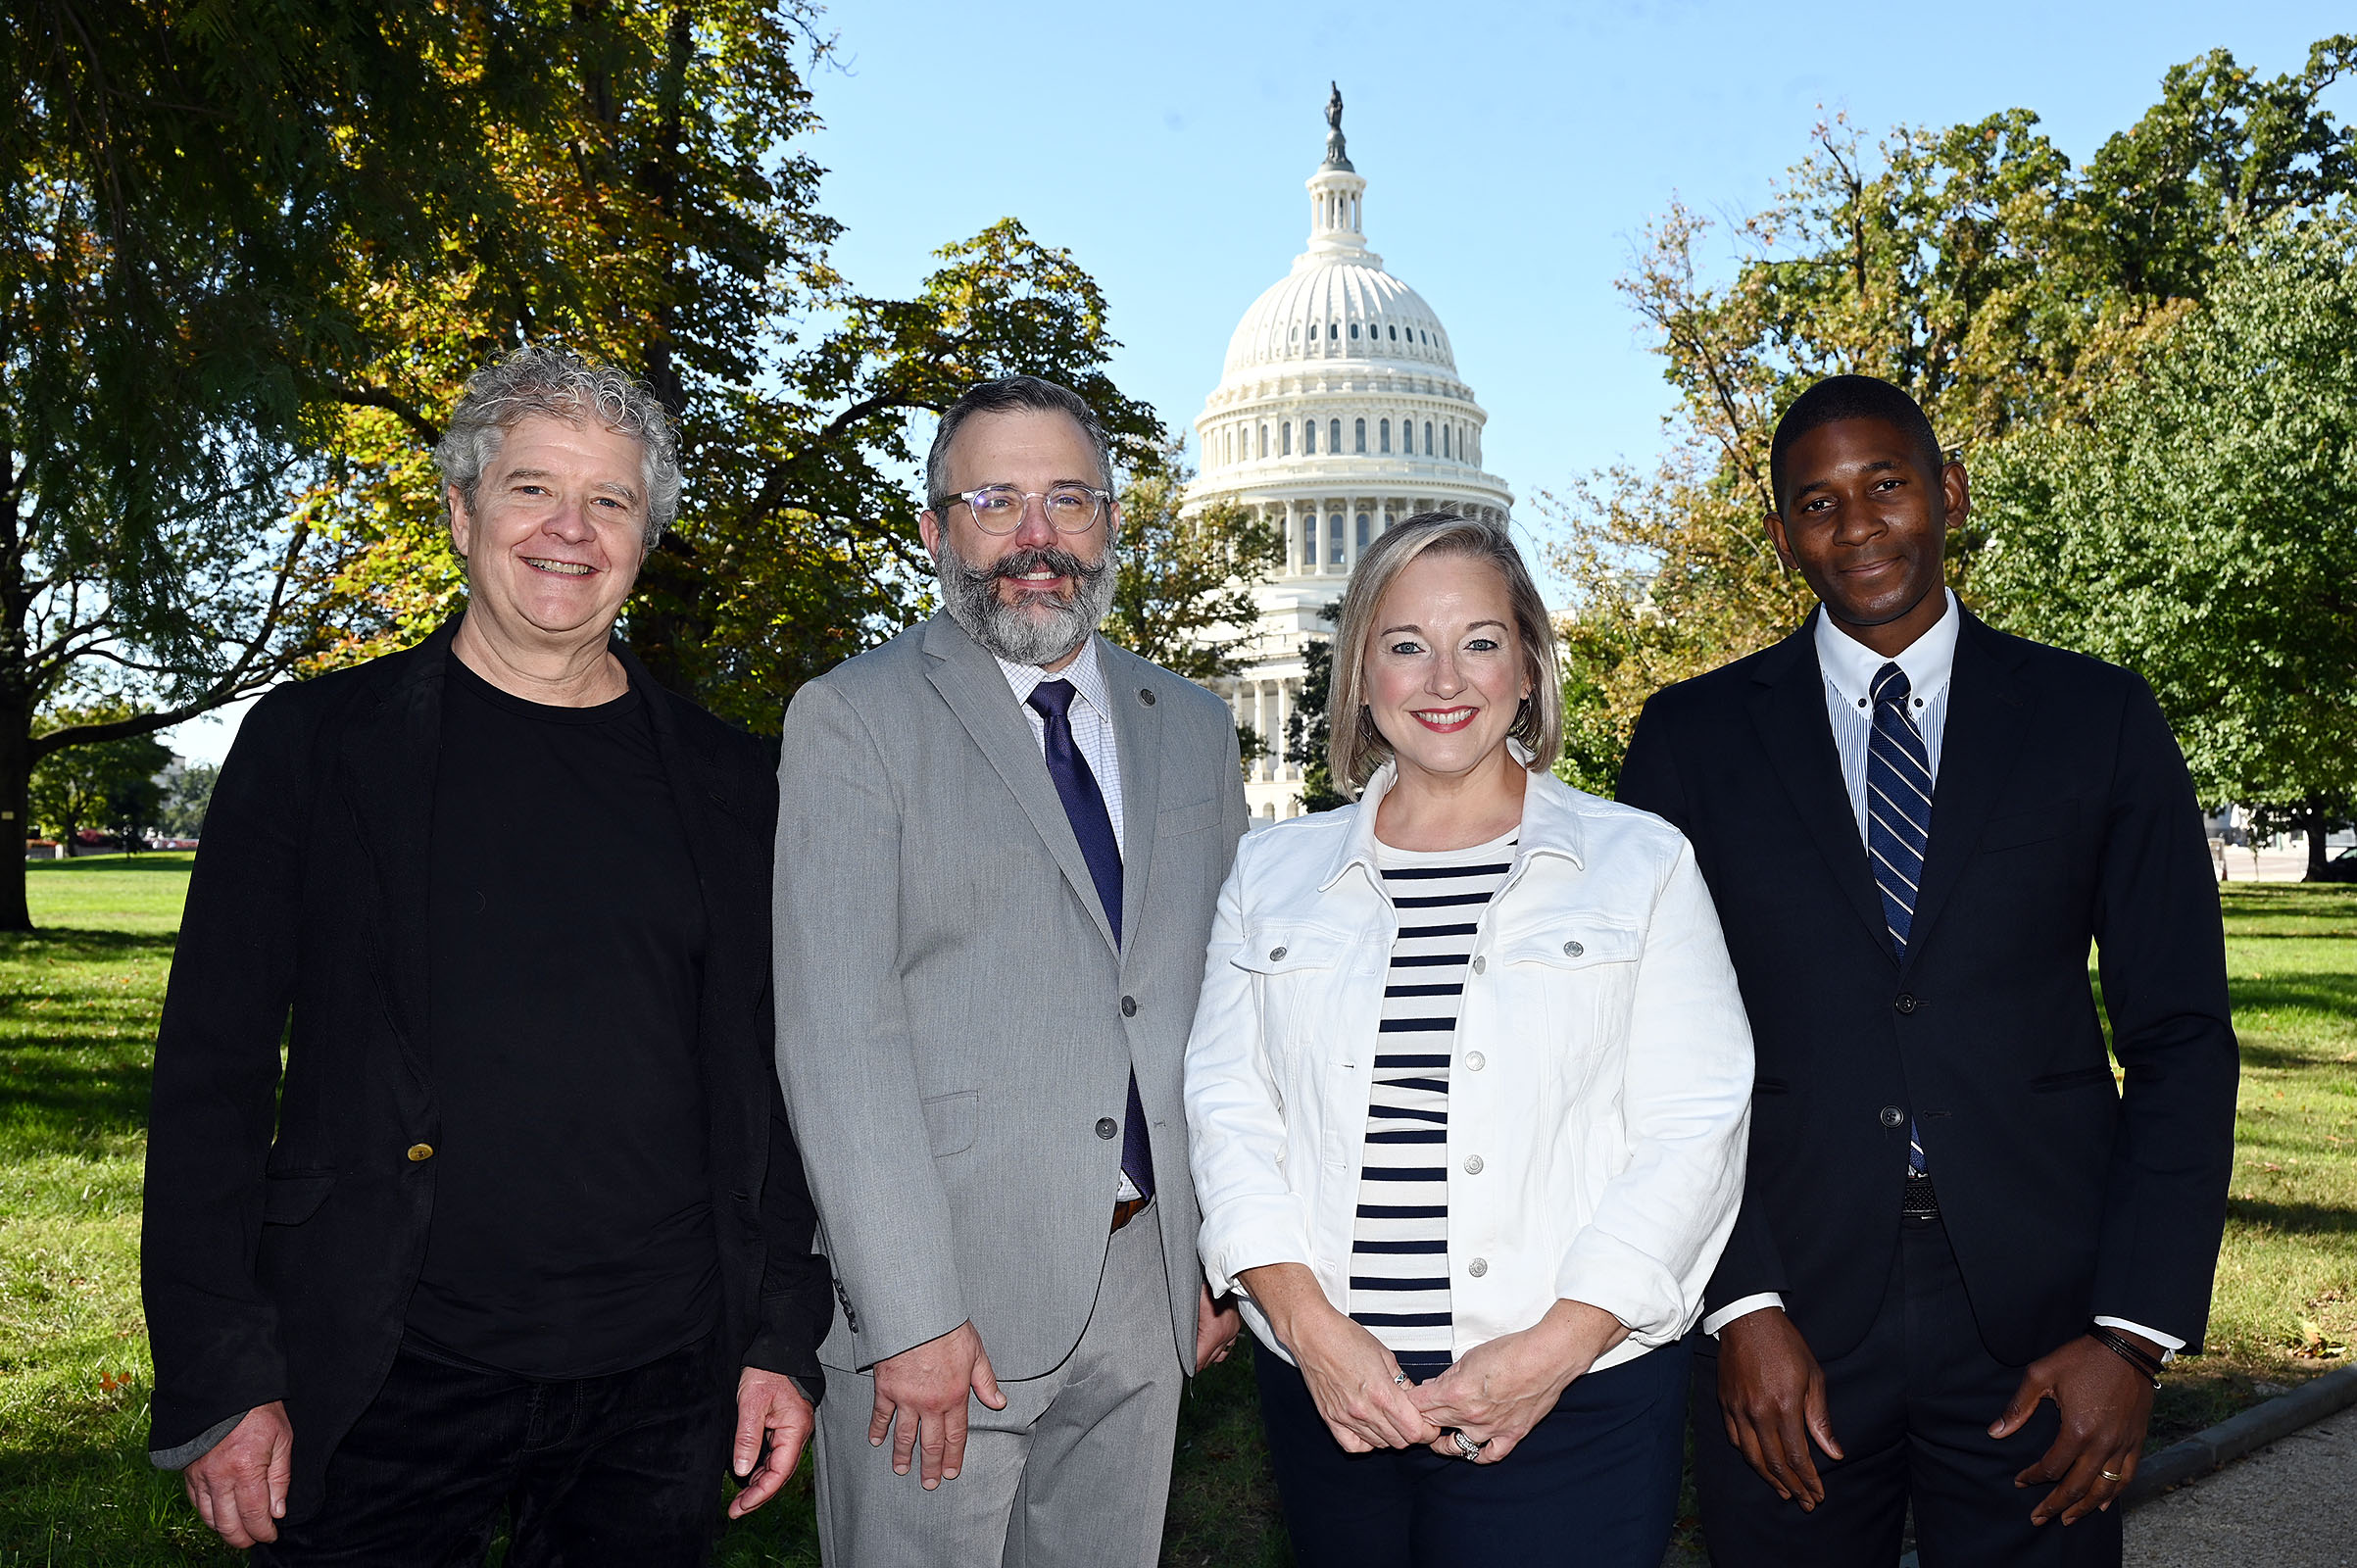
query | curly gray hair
(553,382)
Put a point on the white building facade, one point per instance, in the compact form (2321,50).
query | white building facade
(1339,413)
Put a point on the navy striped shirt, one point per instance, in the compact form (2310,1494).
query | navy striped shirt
(1400,1250)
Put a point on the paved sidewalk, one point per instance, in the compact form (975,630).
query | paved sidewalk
(2293,1504)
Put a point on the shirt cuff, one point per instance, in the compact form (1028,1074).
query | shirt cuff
(205,1441)
(2170,1344)
(1743,1308)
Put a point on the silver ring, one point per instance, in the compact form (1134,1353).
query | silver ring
(1399,1378)
(1466,1445)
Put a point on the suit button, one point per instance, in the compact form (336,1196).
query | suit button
(1475,1062)
(1473,1166)
(1480,964)
(1892,1115)
(1106,1127)
(418,1151)
(1906,1002)
(1129,1007)
(1478,1268)
(1572,950)
(1275,953)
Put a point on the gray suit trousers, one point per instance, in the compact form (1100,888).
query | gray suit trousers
(1074,1473)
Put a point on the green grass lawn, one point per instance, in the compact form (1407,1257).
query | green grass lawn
(77,1006)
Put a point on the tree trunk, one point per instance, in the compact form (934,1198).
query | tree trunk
(15,781)
(2313,822)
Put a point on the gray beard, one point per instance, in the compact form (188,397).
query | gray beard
(1041,631)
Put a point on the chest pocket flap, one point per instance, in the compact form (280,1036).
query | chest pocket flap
(1571,943)
(1278,946)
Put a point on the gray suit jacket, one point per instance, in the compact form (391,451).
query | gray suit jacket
(954,1019)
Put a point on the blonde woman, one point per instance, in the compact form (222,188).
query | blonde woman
(1468,1087)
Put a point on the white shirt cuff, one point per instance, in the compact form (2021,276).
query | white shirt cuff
(2170,1344)
(1745,1307)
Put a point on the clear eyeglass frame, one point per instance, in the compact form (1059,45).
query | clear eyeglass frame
(999,509)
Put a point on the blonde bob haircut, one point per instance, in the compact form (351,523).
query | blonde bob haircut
(1355,748)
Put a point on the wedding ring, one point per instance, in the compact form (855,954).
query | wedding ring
(2111,1475)
(1466,1445)
(1399,1378)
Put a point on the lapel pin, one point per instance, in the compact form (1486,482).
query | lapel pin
(1145,695)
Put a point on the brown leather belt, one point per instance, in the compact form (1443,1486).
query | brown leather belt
(1128,1208)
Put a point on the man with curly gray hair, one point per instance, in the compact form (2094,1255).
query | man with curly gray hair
(516,1225)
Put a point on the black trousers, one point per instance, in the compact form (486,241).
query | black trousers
(1594,1485)
(1911,1407)
(622,1470)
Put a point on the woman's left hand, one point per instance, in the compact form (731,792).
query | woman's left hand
(1507,1386)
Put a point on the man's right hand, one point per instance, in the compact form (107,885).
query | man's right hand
(1772,1398)
(927,1387)
(239,1484)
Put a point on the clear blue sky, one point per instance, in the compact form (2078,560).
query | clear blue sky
(1514,154)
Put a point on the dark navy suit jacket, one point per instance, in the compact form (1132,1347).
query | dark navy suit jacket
(2063,817)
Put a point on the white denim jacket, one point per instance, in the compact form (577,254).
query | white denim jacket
(1600,1089)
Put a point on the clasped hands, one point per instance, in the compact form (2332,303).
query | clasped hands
(1494,1395)
(1772,1399)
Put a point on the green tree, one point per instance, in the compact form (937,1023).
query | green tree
(106,784)
(187,797)
(645,213)
(1184,594)
(189,189)
(2198,522)
(1973,265)
(1308,727)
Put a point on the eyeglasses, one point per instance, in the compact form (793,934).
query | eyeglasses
(998,509)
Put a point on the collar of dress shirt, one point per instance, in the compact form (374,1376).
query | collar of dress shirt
(1084,672)
(1850,666)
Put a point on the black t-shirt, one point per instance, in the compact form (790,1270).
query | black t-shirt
(572,1228)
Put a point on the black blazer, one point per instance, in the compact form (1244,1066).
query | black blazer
(285,1222)
(2063,816)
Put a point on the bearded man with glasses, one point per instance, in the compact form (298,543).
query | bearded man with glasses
(1001,841)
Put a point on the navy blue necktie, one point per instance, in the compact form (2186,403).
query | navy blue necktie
(1093,826)
(1899,821)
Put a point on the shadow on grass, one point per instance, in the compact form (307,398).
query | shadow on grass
(80,945)
(2292,1219)
(158,862)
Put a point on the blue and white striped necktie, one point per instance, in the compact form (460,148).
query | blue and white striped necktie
(1899,820)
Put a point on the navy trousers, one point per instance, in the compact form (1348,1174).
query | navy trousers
(621,1471)
(1594,1484)
(1911,1407)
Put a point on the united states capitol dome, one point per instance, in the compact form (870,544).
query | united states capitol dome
(1338,304)
(1339,413)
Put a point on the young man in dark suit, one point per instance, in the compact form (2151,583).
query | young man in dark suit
(1964,1255)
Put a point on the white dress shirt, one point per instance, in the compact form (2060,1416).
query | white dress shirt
(1849,667)
(1091,716)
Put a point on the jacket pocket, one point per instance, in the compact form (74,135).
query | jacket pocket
(291,1199)
(1178,820)
(2076,1078)
(2028,827)
(951,1121)
(1578,974)
(1281,948)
